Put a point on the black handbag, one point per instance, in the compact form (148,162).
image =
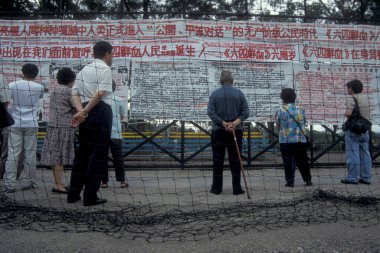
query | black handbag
(308,144)
(6,119)
(356,123)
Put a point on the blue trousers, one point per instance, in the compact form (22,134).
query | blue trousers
(359,161)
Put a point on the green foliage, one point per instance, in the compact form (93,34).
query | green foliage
(333,11)
(23,7)
(195,9)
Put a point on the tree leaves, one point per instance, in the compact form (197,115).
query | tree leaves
(336,11)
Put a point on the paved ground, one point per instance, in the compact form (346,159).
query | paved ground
(191,187)
(332,238)
(189,190)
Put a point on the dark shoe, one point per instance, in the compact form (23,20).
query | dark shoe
(345,181)
(98,201)
(215,192)
(28,187)
(71,198)
(289,185)
(364,182)
(238,192)
(55,190)
(8,190)
(309,183)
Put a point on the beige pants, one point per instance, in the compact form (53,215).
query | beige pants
(19,139)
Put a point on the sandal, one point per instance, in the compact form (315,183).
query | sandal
(124,184)
(104,185)
(56,190)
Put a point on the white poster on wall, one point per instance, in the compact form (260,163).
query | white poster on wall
(321,89)
(180,90)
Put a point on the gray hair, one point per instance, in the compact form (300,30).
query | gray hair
(226,77)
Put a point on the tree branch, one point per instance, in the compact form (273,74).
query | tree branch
(327,9)
(126,4)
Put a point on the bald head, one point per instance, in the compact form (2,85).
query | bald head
(226,77)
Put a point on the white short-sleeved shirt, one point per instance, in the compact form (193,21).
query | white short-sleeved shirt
(4,90)
(94,77)
(118,111)
(24,108)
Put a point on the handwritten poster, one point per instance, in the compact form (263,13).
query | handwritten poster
(167,69)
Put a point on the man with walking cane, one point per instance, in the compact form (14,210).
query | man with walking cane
(227,108)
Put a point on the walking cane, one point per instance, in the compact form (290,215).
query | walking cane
(241,165)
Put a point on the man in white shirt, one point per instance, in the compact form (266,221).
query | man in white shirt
(92,97)
(23,134)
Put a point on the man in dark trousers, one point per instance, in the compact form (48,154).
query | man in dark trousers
(227,108)
(92,97)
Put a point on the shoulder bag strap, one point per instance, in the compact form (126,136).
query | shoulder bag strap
(298,124)
(356,105)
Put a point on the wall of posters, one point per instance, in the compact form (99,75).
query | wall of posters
(168,68)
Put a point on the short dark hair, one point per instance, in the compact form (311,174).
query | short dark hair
(355,85)
(30,70)
(288,95)
(65,76)
(226,77)
(101,48)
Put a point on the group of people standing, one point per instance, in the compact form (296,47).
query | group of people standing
(228,108)
(87,101)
